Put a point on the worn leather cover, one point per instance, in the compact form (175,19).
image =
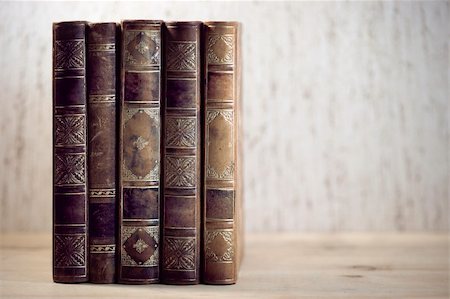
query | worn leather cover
(139,210)
(70,209)
(102,150)
(182,154)
(222,180)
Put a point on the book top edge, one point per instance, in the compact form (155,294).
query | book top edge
(158,22)
(183,23)
(67,23)
(102,23)
(149,22)
(222,23)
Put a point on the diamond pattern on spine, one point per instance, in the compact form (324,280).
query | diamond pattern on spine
(142,47)
(69,54)
(69,169)
(70,129)
(179,253)
(220,49)
(215,118)
(181,56)
(139,143)
(70,251)
(140,246)
(180,172)
(219,246)
(181,132)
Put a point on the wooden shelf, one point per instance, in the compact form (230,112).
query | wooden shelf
(275,266)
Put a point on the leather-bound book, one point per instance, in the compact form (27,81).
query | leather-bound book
(182,154)
(70,209)
(102,149)
(140,130)
(222,179)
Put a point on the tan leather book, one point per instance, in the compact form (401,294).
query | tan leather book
(139,210)
(70,205)
(102,149)
(182,154)
(222,160)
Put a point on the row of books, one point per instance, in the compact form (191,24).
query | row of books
(146,155)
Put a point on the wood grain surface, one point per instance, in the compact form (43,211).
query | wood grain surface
(316,266)
(345,110)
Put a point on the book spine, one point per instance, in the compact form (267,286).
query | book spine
(182,154)
(139,214)
(102,150)
(221,165)
(70,209)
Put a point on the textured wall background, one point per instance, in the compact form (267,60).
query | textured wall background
(346,110)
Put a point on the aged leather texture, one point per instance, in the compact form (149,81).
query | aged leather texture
(222,170)
(70,209)
(182,154)
(102,149)
(140,155)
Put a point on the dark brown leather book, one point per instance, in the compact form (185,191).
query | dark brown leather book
(102,150)
(182,154)
(70,209)
(139,214)
(222,179)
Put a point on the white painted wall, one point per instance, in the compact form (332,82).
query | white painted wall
(346,110)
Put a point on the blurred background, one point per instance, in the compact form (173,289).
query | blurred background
(345,106)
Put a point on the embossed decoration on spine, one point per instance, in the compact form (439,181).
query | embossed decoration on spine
(70,54)
(142,47)
(180,253)
(219,246)
(102,162)
(182,56)
(141,246)
(70,130)
(70,227)
(181,132)
(70,251)
(180,172)
(140,166)
(182,154)
(70,169)
(221,161)
(135,166)
(220,48)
